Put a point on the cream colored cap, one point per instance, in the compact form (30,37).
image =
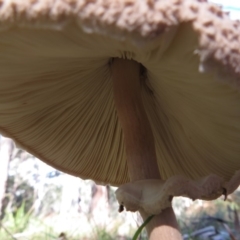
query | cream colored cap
(56,97)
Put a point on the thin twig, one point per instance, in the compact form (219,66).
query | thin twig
(229,231)
(6,230)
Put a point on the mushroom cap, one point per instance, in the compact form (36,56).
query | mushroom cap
(56,98)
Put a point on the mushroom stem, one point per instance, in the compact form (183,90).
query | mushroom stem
(139,141)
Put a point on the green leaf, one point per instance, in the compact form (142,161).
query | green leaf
(138,232)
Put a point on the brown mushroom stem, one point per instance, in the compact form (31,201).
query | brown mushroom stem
(139,141)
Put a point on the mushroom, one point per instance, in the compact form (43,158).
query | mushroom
(121,91)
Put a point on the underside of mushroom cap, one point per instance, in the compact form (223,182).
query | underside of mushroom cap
(138,21)
(56,89)
(153,195)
